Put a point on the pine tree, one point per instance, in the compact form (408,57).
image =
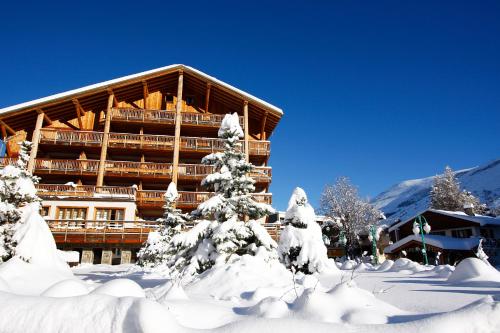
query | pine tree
(446,194)
(16,191)
(223,232)
(301,247)
(156,252)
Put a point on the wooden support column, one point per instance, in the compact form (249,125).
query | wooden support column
(145,93)
(263,128)
(34,140)
(178,120)
(105,140)
(79,111)
(207,97)
(245,123)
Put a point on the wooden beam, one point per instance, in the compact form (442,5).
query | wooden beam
(45,117)
(70,125)
(145,93)
(7,127)
(178,120)
(4,132)
(105,140)
(207,97)
(245,123)
(263,127)
(79,110)
(34,142)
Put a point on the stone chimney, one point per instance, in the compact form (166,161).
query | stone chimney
(469,209)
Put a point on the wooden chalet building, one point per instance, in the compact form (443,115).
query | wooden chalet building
(106,153)
(455,235)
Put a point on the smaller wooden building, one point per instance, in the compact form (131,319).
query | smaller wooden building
(453,236)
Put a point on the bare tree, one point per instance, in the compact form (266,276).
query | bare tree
(341,201)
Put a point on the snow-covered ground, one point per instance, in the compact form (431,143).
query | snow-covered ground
(250,295)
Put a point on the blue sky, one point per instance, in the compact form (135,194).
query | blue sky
(380,91)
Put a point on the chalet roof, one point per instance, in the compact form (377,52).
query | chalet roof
(110,83)
(478,219)
(442,242)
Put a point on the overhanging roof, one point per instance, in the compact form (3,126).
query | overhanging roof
(135,77)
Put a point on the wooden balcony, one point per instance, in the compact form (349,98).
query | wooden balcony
(166,117)
(51,191)
(101,232)
(154,199)
(130,169)
(143,141)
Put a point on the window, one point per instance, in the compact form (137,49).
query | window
(110,214)
(461,233)
(71,213)
(169,98)
(439,233)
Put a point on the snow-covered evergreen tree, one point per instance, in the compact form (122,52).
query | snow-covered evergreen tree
(446,194)
(301,246)
(222,231)
(17,189)
(156,251)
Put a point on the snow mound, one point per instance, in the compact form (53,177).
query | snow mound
(35,242)
(269,307)
(4,286)
(244,275)
(345,303)
(348,265)
(67,288)
(404,265)
(385,266)
(120,288)
(31,279)
(443,271)
(473,269)
(90,313)
(170,291)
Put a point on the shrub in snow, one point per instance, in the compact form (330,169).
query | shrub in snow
(301,246)
(481,254)
(473,269)
(67,288)
(120,288)
(156,251)
(341,201)
(222,232)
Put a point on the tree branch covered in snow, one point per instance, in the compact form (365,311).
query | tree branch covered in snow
(342,202)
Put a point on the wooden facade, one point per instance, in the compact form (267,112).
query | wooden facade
(121,142)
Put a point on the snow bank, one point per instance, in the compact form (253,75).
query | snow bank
(90,313)
(69,256)
(67,288)
(385,266)
(244,275)
(31,279)
(269,307)
(4,286)
(120,288)
(404,265)
(348,265)
(473,269)
(170,291)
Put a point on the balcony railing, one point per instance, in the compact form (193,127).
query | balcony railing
(144,141)
(96,231)
(129,168)
(167,116)
(187,199)
(85,191)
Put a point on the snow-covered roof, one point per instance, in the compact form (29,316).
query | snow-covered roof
(480,219)
(106,84)
(443,242)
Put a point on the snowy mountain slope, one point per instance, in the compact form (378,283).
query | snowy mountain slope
(410,197)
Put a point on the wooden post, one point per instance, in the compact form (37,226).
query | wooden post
(105,139)
(178,120)
(79,110)
(245,123)
(34,140)
(263,128)
(207,97)
(145,93)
